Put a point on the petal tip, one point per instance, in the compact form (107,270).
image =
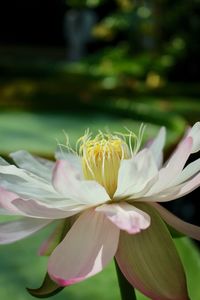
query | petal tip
(65,282)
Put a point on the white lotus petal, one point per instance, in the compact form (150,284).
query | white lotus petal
(188,187)
(3,162)
(188,172)
(41,167)
(174,192)
(68,184)
(157,146)
(16,230)
(135,174)
(125,216)
(169,173)
(73,159)
(32,208)
(6,199)
(88,247)
(26,184)
(194,132)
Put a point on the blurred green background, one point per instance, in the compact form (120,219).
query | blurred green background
(98,64)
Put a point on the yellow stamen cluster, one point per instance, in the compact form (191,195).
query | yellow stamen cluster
(101,156)
(101,160)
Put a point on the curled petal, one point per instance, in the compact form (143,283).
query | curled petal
(192,231)
(16,230)
(87,248)
(125,216)
(66,180)
(150,262)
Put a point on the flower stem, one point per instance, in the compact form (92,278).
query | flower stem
(126,290)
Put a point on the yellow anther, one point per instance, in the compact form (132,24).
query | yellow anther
(101,158)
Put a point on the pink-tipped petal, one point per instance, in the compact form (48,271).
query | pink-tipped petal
(6,199)
(87,248)
(16,230)
(194,132)
(150,262)
(32,208)
(66,180)
(188,229)
(173,168)
(126,216)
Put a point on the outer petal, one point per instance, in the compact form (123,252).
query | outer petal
(125,216)
(192,231)
(87,248)
(188,172)
(150,262)
(66,180)
(55,237)
(6,199)
(174,192)
(157,145)
(17,230)
(135,174)
(194,132)
(41,167)
(32,208)
(26,184)
(186,187)
(173,168)
(3,162)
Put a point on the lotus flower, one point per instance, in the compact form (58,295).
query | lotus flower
(110,193)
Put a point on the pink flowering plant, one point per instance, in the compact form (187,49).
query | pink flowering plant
(105,199)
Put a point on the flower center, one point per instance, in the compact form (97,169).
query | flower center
(101,160)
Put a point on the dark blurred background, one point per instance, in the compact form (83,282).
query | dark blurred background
(79,63)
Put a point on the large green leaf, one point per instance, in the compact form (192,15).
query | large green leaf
(190,257)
